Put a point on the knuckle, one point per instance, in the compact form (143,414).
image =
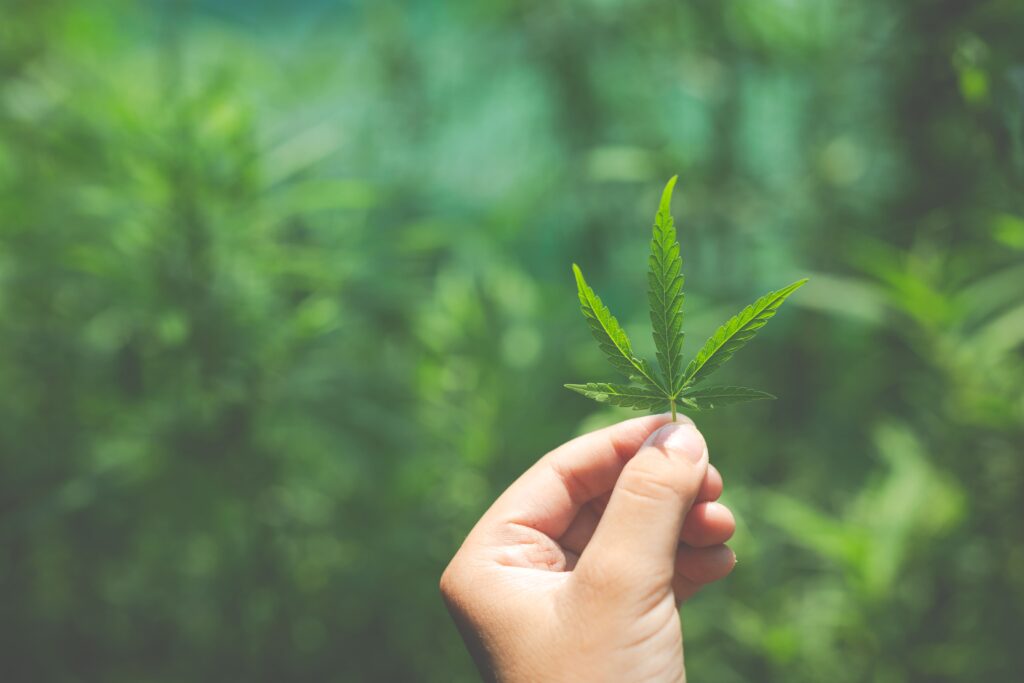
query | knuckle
(577,488)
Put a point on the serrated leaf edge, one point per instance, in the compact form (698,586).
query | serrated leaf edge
(613,331)
(664,292)
(732,394)
(638,398)
(769,303)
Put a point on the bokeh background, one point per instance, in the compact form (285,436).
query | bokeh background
(285,301)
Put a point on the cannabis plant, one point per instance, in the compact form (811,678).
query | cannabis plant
(675,386)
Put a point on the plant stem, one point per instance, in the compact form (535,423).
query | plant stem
(672,405)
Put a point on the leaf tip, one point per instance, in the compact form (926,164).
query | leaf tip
(666,195)
(578,274)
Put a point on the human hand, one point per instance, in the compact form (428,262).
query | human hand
(576,572)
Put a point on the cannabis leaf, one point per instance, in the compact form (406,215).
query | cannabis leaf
(611,337)
(622,395)
(665,293)
(741,328)
(712,397)
(674,386)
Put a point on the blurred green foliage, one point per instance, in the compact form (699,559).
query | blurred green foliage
(286,302)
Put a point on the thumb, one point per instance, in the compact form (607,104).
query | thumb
(638,535)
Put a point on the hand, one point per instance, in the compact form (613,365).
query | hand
(577,570)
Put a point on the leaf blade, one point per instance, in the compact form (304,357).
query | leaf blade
(709,398)
(610,336)
(734,334)
(637,398)
(665,292)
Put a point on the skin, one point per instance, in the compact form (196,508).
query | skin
(576,572)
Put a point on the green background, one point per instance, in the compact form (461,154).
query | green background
(285,301)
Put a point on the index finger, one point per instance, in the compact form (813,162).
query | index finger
(548,496)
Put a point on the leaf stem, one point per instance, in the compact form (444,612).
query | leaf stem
(672,405)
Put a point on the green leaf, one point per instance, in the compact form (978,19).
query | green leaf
(665,293)
(637,398)
(674,387)
(733,335)
(707,398)
(611,337)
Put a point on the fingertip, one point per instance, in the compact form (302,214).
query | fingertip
(707,524)
(705,565)
(679,417)
(681,439)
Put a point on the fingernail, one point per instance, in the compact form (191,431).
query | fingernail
(683,439)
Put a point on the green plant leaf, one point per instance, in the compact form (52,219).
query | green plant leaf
(733,335)
(665,293)
(637,398)
(611,337)
(707,398)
